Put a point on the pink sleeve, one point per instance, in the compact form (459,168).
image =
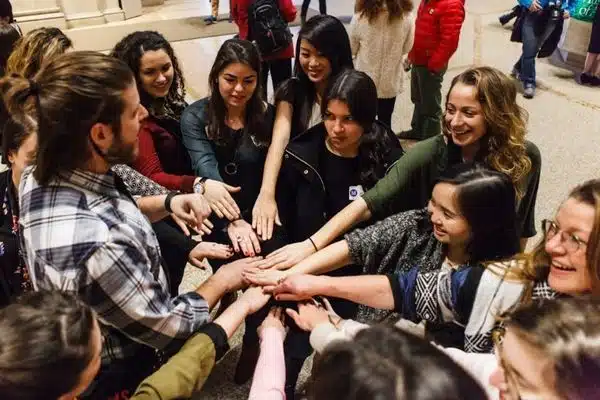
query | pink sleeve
(269,376)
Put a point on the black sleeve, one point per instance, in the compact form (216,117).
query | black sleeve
(396,292)
(466,295)
(526,207)
(286,91)
(219,338)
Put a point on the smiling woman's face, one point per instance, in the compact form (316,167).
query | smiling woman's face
(156,73)
(464,115)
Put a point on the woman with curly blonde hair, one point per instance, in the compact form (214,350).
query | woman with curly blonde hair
(36,47)
(482,123)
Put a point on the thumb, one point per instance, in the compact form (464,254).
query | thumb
(277,220)
(293,314)
(197,262)
(232,189)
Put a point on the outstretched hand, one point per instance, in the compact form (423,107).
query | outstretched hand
(288,256)
(297,287)
(311,313)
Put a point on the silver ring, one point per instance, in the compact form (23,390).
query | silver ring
(239,238)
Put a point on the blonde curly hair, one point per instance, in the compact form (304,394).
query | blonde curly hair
(503,146)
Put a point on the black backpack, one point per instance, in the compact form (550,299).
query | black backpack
(267,29)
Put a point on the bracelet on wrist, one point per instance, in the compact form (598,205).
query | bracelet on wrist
(313,243)
(168,201)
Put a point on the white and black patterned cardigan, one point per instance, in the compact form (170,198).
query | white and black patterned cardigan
(470,296)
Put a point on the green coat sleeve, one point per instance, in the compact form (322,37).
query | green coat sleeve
(187,371)
(409,183)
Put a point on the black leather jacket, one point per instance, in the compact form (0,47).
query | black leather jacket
(301,192)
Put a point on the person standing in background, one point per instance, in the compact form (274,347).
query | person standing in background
(381,34)
(591,69)
(437,31)
(539,20)
(278,63)
(306,3)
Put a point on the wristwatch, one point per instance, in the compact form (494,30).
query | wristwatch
(199,186)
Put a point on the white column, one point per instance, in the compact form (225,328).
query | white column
(111,10)
(31,14)
(82,13)
(131,8)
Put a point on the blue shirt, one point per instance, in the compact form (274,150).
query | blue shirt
(568,5)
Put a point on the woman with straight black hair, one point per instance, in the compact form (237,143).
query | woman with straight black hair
(469,220)
(322,51)
(228,133)
(324,169)
(384,362)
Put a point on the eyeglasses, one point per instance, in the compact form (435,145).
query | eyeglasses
(570,241)
(497,336)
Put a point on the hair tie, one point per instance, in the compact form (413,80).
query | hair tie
(34,87)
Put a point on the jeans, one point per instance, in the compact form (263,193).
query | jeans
(534,34)
(385,108)
(281,70)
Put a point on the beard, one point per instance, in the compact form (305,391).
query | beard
(121,153)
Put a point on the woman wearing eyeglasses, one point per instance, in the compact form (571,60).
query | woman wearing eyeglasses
(565,263)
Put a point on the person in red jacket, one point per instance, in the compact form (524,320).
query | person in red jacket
(437,30)
(279,63)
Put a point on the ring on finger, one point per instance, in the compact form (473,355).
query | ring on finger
(239,238)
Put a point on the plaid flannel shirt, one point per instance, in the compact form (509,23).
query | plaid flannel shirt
(83,233)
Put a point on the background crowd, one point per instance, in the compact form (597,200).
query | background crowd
(404,271)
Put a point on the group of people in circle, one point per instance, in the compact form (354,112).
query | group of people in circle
(314,208)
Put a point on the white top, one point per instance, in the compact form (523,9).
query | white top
(315,115)
(379,49)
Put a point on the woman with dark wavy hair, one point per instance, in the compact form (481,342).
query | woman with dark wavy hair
(162,156)
(327,167)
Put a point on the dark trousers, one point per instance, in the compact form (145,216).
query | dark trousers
(175,249)
(306,3)
(534,34)
(426,95)
(385,108)
(281,70)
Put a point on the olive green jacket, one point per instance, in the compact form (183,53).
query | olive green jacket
(186,372)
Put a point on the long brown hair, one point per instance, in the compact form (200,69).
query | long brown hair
(371,9)
(68,96)
(503,146)
(36,48)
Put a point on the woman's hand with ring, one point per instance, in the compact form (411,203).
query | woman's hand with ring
(243,238)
